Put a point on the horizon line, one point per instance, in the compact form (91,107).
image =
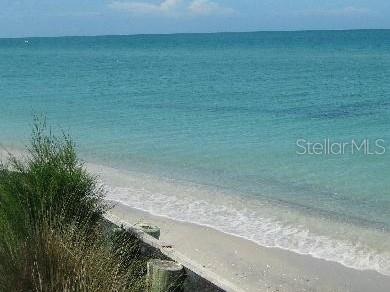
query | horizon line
(194,33)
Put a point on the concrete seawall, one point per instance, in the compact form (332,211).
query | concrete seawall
(197,277)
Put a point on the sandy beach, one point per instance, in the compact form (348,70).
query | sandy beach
(244,263)
(252,267)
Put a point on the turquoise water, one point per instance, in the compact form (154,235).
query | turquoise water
(224,111)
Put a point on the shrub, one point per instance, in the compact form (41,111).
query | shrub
(51,216)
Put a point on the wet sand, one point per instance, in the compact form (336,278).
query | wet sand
(253,267)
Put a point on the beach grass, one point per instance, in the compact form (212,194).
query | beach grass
(51,224)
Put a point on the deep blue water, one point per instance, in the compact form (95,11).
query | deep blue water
(223,110)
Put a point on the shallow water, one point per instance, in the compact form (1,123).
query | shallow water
(221,114)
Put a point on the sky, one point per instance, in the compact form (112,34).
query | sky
(22,18)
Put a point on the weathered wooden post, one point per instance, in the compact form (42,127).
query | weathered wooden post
(165,276)
(149,229)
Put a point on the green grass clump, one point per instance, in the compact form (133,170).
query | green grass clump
(51,218)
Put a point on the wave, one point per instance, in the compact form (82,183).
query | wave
(254,220)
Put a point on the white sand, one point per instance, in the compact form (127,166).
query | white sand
(256,268)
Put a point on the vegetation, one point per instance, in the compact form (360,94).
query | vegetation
(52,235)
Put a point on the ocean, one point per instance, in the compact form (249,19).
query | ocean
(215,129)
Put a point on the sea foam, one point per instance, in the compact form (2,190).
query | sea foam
(259,221)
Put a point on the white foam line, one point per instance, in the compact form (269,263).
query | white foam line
(263,231)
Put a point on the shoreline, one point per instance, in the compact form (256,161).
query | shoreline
(251,266)
(240,260)
(264,224)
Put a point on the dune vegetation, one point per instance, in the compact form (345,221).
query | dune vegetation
(52,235)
